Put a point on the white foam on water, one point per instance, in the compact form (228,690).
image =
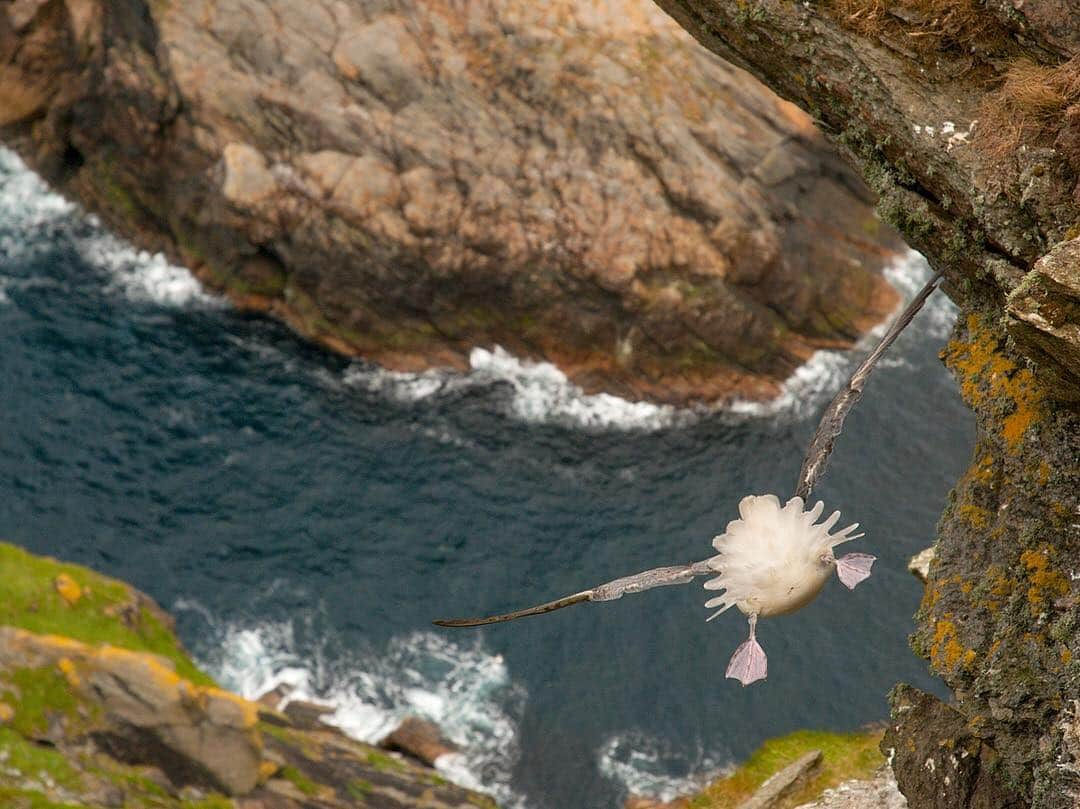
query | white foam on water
(818,379)
(144,277)
(641,764)
(26,204)
(465,690)
(909,273)
(33,218)
(539,393)
(543,393)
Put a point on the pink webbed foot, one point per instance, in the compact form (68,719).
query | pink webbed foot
(853,568)
(748,664)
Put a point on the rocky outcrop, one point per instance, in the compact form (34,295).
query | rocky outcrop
(101,707)
(784,783)
(576,181)
(965,118)
(142,711)
(879,792)
(420,739)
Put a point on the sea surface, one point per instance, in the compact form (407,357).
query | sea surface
(306,517)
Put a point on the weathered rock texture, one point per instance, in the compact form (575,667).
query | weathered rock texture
(879,792)
(965,118)
(577,181)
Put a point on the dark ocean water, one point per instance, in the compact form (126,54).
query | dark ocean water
(306,518)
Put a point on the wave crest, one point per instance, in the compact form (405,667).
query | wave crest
(465,690)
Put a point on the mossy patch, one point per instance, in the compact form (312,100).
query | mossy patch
(210,802)
(845,756)
(14,798)
(34,761)
(359,788)
(37,695)
(107,611)
(299,780)
(383,762)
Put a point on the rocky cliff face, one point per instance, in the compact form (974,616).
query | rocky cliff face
(965,117)
(577,181)
(100,706)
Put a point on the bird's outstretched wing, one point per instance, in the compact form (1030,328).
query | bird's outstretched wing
(832,421)
(646,580)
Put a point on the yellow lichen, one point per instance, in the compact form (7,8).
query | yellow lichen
(7,713)
(975,516)
(947,650)
(1042,476)
(71,674)
(982,471)
(985,374)
(267,770)
(1046,584)
(68,589)
(1066,656)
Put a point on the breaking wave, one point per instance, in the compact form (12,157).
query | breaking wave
(641,764)
(35,219)
(539,393)
(463,689)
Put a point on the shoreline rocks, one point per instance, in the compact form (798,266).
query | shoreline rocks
(577,182)
(101,706)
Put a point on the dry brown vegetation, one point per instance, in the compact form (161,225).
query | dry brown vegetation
(925,25)
(1033,104)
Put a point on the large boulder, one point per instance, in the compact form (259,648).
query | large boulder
(576,181)
(141,711)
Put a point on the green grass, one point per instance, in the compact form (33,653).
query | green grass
(33,760)
(844,756)
(299,780)
(383,762)
(12,798)
(28,600)
(211,802)
(35,694)
(359,788)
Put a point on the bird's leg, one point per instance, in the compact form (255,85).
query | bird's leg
(853,568)
(749,664)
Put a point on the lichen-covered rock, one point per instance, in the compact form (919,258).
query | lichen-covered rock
(965,118)
(1044,316)
(943,763)
(137,708)
(576,181)
(879,792)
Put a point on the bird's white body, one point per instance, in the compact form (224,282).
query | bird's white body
(774,560)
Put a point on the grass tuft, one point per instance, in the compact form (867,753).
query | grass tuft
(925,25)
(1029,107)
(845,756)
(107,611)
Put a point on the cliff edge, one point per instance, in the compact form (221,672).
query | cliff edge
(578,182)
(101,706)
(964,116)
